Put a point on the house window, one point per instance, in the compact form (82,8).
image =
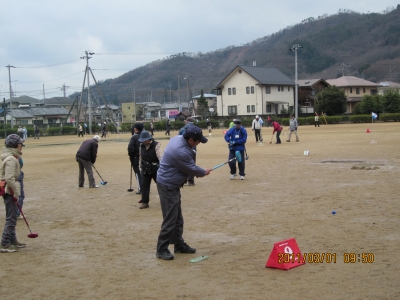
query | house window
(247,90)
(253,108)
(234,91)
(23,122)
(268,108)
(129,107)
(288,88)
(268,90)
(252,89)
(38,122)
(248,108)
(351,90)
(51,121)
(374,92)
(357,90)
(279,88)
(229,91)
(232,110)
(219,91)
(364,90)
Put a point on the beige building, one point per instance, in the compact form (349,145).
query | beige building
(128,112)
(388,85)
(248,91)
(354,88)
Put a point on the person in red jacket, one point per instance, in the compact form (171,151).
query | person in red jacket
(278,129)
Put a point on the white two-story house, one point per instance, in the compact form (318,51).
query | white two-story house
(251,90)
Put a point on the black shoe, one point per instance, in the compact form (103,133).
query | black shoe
(184,248)
(164,254)
(138,192)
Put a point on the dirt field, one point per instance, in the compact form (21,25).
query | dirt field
(97,244)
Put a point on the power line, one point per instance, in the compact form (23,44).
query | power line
(47,66)
(51,79)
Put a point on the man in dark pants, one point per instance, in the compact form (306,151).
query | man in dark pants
(150,157)
(133,152)
(175,166)
(86,157)
(237,138)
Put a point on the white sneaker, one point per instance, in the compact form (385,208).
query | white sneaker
(233,176)
(241,177)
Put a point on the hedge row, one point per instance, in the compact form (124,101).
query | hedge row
(390,117)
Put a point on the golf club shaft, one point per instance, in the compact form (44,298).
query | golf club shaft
(130,185)
(20,209)
(98,173)
(220,165)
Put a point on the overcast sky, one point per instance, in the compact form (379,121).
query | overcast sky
(45,39)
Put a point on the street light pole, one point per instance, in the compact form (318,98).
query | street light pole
(294,48)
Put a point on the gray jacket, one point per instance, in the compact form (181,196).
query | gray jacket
(293,124)
(177,163)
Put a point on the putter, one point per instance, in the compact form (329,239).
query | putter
(130,186)
(271,138)
(103,182)
(238,157)
(31,235)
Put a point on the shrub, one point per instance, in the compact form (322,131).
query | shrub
(360,119)
(390,117)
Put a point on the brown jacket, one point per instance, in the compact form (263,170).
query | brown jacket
(10,170)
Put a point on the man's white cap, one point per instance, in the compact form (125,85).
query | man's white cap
(96,137)
(257,116)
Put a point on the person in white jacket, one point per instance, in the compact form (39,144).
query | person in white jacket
(256,127)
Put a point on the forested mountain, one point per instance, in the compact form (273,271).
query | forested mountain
(363,45)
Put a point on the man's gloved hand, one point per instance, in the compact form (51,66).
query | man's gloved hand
(15,199)
(231,143)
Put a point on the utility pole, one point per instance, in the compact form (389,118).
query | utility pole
(87,57)
(64,88)
(9,81)
(294,48)
(44,95)
(179,94)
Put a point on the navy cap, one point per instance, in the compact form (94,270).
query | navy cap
(195,133)
(144,136)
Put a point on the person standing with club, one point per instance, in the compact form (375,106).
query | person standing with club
(9,172)
(256,127)
(149,158)
(36,132)
(293,128)
(175,166)
(152,127)
(278,129)
(133,152)
(316,120)
(86,157)
(237,138)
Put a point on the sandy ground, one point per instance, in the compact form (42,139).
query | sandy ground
(98,244)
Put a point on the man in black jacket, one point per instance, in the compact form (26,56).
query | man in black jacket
(133,152)
(150,156)
(86,157)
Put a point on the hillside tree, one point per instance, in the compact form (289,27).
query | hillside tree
(331,101)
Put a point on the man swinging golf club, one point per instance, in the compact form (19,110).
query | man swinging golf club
(9,172)
(236,137)
(176,164)
(86,157)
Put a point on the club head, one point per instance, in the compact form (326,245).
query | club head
(33,235)
(130,190)
(101,183)
(104,182)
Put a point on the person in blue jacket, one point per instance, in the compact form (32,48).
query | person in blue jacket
(236,137)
